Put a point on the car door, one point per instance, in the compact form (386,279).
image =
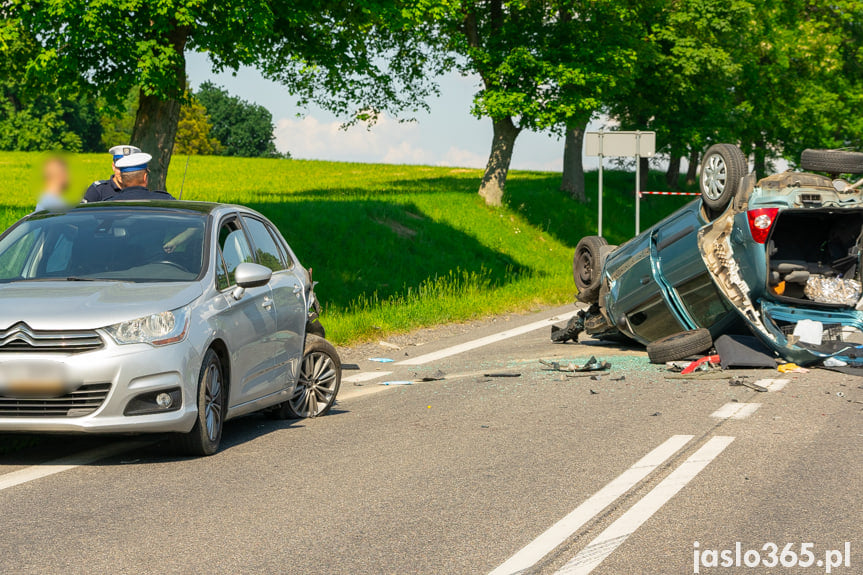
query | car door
(288,295)
(249,323)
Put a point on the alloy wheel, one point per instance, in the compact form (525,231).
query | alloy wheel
(317,385)
(713,177)
(213,402)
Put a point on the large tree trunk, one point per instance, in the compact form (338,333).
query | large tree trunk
(156,120)
(502,144)
(573,164)
(692,170)
(672,174)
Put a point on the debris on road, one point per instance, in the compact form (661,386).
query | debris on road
(740,381)
(834,362)
(350,367)
(702,364)
(436,376)
(791,368)
(381,359)
(621,378)
(574,326)
(502,374)
(677,366)
(399,382)
(592,392)
(592,364)
(743,351)
(389,345)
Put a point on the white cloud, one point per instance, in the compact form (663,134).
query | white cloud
(460,158)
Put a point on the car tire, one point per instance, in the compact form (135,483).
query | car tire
(832,161)
(206,435)
(316,328)
(679,346)
(722,168)
(318,385)
(587,267)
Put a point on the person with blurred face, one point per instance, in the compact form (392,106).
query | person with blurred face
(101,189)
(55,176)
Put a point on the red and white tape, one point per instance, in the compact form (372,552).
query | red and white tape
(669,193)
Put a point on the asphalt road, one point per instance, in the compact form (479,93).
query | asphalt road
(460,475)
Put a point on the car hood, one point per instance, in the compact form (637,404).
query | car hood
(88,305)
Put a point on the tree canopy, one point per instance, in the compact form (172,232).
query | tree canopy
(240,128)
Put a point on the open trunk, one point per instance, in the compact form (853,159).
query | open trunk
(813,257)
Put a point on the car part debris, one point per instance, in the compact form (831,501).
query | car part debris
(587,267)
(436,376)
(656,414)
(840,394)
(389,345)
(679,346)
(833,362)
(381,359)
(350,367)
(743,351)
(592,392)
(739,381)
(809,331)
(502,374)
(703,363)
(676,366)
(592,364)
(398,382)
(823,289)
(791,368)
(621,378)
(571,331)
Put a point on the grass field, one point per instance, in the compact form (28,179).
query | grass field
(396,247)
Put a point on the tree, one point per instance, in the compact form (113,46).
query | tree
(241,128)
(344,56)
(194,131)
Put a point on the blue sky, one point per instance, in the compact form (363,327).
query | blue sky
(448,135)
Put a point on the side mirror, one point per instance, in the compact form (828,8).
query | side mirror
(249,275)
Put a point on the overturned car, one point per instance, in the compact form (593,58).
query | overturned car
(778,257)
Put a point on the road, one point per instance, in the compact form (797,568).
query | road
(471,474)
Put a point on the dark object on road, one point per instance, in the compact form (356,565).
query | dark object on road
(848,370)
(679,346)
(749,256)
(656,414)
(505,374)
(574,326)
(437,376)
(621,378)
(350,367)
(744,351)
(592,364)
(739,381)
(592,392)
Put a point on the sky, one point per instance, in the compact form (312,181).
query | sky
(448,135)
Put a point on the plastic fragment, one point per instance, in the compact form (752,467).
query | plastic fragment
(502,374)
(791,368)
(702,363)
(399,382)
(834,362)
(381,359)
(809,331)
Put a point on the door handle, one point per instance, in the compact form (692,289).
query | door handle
(267,304)
(298,289)
(645,280)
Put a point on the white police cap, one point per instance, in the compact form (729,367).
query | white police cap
(133,162)
(120,151)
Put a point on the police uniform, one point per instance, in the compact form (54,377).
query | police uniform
(101,190)
(136,163)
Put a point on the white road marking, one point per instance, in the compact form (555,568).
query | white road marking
(735,410)
(773,384)
(366,376)
(483,341)
(628,523)
(566,527)
(66,463)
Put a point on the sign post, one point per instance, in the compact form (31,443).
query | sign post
(621,144)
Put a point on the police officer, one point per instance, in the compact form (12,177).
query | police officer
(99,189)
(133,180)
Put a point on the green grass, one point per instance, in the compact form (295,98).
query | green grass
(396,247)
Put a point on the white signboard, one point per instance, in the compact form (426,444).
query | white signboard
(620,144)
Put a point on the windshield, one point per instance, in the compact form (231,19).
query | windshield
(112,245)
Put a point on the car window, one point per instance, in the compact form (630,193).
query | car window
(286,256)
(702,299)
(653,320)
(265,246)
(223,282)
(14,258)
(235,247)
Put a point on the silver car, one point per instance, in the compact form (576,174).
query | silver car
(157,317)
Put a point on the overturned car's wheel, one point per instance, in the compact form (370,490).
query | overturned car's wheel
(320,377)
(587,267)
(679,346)
(721,170)
(832,161)
(206,435)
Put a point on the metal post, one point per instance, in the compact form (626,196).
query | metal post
(637,183)
(599,232)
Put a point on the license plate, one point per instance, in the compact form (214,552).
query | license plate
(39,379)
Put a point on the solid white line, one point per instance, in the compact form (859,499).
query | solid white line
(483,341)
(564,529)
(773,384)
(366,376)
(628,523)
(735,410)
(66,463)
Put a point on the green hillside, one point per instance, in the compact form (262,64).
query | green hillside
(395,247)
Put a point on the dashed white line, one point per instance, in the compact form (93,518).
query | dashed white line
(566,527)
(66,463)
(735,410)
(772,384)
(483,341)
(365,376)
(628,523)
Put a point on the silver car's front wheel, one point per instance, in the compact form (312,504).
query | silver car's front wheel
(206,435)
(318,385)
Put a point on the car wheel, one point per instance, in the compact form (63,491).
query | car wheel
(206,435)
(832,161)
(320,377)
(587,267)
(721,170)
(679,346)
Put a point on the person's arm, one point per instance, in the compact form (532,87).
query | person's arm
(178,240)
(92,194)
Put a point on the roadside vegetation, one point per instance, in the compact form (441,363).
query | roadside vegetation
(397,247)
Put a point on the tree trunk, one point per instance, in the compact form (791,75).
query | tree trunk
(760,159)
(573,164)
(692,170)
(672,175)
(502,144)
(156,120)
(645,169)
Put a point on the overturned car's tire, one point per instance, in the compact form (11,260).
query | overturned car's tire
(679,346)
(832,161)
(587,267)
(721,170)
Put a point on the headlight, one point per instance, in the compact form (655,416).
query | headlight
(157,329)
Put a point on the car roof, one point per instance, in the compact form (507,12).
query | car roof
(172,205)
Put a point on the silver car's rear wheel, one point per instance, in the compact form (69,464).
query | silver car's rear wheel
(318,385)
